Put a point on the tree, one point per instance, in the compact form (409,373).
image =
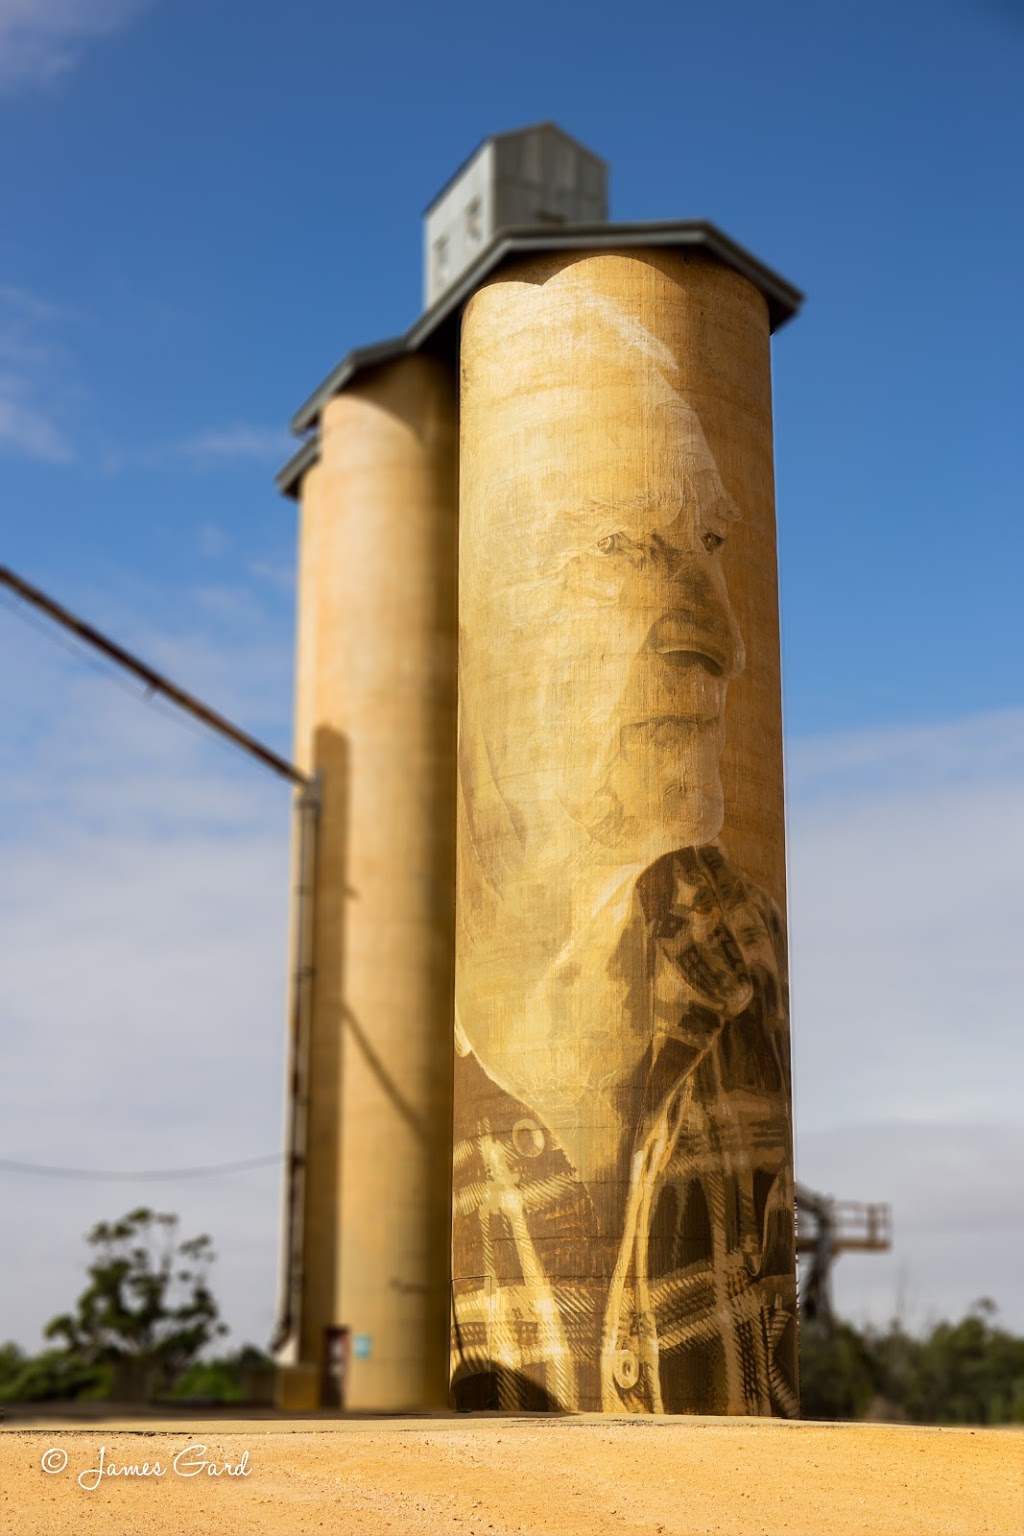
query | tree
(839,1378)
(247,1375)
(968,1372)
(148,1301)
(52,1376)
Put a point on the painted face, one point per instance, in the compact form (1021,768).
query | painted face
(603,638)
(596,651)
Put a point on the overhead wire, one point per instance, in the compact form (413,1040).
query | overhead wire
(106,667)
(44,1170)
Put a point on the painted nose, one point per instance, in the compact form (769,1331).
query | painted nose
(703,634)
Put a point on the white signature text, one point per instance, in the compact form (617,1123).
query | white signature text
(193,1461)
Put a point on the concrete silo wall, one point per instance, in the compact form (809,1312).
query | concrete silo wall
(623,1195)
(376,716)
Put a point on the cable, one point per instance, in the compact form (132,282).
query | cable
(106,669)
(11,1166)
(156,690)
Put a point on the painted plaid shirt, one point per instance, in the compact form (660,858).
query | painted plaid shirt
(689,1307)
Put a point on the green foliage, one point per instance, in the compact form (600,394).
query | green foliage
(143,1319)
(970,1372)
(223,1380)
(147,1302)
(55,1376)
(12,1361)
(839,1377)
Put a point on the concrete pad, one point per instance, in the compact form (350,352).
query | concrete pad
(523,1476)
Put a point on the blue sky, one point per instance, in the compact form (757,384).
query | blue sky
(205,206)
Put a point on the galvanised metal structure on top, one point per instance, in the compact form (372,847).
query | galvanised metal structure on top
(547,1147)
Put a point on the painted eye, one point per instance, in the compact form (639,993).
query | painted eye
(608,545)
(712,541)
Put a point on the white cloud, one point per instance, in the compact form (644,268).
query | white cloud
(144,921)
(213,541)
(28,306)
(906,894)
(37,392)
(956,1190)
(279,574)
(40,40)
(984,747)
(29,368)
(26,429)
(242,441)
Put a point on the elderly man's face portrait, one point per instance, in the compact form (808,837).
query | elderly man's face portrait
(604,641)
(597,648)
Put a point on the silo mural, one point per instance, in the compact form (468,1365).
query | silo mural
(622,1169)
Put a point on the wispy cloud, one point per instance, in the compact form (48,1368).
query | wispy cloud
(907,884)
(156,989)
(279,574)
(41,40)
(25,429)
(214,542)
(240,441)
(30,357)
(28,306)
(38,395)
(989,746)
(906,892)
(31,367)
(955,1189)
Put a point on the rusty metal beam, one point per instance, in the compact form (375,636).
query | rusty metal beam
(153,680)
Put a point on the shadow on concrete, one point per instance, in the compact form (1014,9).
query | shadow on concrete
(499,1389)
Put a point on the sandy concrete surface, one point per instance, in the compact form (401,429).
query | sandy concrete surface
(513,1477)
